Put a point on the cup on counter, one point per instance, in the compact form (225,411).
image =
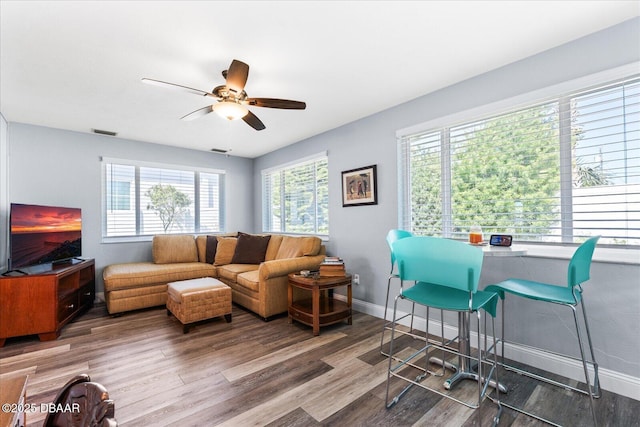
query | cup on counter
(475,235)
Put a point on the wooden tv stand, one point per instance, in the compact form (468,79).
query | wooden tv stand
(43,303)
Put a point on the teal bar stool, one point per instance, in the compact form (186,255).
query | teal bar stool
(569,296)
(446,274)
(393,236)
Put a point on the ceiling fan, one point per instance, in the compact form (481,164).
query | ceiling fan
(232,97)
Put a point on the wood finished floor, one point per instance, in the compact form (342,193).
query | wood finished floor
(251,372)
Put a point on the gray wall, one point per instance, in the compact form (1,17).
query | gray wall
(62,168)
(358,233)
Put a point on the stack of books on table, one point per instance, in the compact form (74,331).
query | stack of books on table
(332,266)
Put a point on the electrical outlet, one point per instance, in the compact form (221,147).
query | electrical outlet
(356,279)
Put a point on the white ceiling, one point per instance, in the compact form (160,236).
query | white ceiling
(77,65)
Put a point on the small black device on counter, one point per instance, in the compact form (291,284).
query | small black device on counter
(500,240)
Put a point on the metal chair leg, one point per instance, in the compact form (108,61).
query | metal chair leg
(445,365)
(502,333)
(584,365)
(479,368)
(596,379)
(393,330)
(591,392)
(496,418)
(385,325)
(386,303)
(391,358)
(413,309)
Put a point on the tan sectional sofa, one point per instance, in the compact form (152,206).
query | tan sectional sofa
(254,266)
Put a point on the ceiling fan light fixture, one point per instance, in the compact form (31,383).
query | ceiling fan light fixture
(230,110)
(232,98)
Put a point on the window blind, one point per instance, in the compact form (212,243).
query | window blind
(606,195)
(166,200)
(296,197)
(558,171)
(142,199)
(119,216)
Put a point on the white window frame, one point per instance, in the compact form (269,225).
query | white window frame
(489,110)
(267,225)
(136,200)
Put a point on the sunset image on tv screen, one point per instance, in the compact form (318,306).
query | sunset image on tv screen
(43,234)
(44,219)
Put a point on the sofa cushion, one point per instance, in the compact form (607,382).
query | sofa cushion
(225,250)
(140,292)
(249,280)
(272,247)
(201,246)
(177,290)
(231,271)
(140,274)
(311,246)
(174,248)
(250,249)
(293,247)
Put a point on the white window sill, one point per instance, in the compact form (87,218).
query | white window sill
(601,254)
(127,239)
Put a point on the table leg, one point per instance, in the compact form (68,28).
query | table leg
(290,301)
(315,308)
(464,370)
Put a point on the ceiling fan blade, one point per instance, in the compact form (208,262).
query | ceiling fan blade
(277,103)
(237,75)
(253,121)
(179,87)
(198,113)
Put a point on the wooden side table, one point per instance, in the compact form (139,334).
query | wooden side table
(321,309)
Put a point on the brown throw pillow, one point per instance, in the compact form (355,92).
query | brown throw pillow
(212,245)
(250,249)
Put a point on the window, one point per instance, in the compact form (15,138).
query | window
(558,171)
(143,199)
(296,197)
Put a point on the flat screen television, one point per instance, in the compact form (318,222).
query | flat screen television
(43,234)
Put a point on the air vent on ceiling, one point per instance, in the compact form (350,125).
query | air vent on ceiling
(218,150)
(104,132)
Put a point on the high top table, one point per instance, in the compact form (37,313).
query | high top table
(464,370)
(501,251)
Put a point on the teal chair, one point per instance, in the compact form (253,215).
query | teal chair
(569,296)
(446,273)
(392,236)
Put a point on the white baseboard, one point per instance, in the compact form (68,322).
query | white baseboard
(615,382)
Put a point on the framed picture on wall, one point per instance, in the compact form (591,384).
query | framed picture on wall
(359,187)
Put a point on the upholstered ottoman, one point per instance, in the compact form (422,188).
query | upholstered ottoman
(198,299)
